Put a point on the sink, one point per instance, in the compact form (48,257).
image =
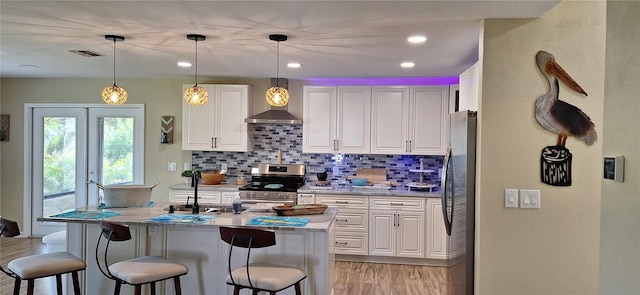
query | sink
(204,208)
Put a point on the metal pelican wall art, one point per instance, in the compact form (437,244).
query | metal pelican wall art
(560,118)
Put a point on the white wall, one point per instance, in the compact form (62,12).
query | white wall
(554,249)
(620,221)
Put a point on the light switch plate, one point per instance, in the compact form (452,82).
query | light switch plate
(171,166)
(511,198)
(529,198)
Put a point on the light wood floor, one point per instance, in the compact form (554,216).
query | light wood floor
(351,278)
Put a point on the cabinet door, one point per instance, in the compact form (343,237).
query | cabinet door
(437,242)
(354,119)
(382,230)
(410,234)
(306,199)
(319,115)
(198,123)
(469,89)
(428,120)
(389,120)
(232,107)
(227,197)
(187,197)
(351,243)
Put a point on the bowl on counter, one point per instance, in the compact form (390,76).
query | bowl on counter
(358,181)
(214,177)
(127,195)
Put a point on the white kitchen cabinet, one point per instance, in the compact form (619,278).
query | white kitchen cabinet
(436,240)
(228,196)
(186,197)
(306,199)
(469,88)
(352,223)
(219,124)
(396,227)
(409,120)
(336,119)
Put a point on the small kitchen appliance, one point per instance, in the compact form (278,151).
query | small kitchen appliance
(273,183)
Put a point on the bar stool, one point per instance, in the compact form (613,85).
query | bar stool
(40,266)
(258,276)
(137,271)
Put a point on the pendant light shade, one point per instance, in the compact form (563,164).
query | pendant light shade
(276,95)
(114,95)
(196,95)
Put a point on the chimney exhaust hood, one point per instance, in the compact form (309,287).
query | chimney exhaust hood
(275,115)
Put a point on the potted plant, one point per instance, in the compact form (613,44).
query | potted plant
(187,174)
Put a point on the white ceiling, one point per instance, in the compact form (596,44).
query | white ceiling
(335,38)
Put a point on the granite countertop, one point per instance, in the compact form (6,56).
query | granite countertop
(206,187)
(334,190)
(367,191)
(142,216)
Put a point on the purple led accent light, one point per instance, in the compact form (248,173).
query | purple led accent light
(383,81)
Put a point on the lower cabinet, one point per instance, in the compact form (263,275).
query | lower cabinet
(437,242)
(306,199)
(396,227)
(352,223)
(186,197)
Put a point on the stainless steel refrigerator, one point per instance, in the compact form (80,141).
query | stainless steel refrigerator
(458,201)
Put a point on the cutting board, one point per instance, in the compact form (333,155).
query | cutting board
(374,175)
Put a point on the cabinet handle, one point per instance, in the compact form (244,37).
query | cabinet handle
(406,148)
(400,204)
(341,243)
(342,202)
(215,140)
(345,220)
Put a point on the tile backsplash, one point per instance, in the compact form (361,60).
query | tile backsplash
(269,138)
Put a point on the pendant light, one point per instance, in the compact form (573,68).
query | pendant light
(276,95)
(114,95)
(196,95)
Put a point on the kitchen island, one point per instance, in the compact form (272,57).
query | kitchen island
(197,244)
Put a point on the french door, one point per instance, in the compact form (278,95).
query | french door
(71,145)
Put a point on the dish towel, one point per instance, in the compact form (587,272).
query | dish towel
(182,218)
(278,221)
(78,214)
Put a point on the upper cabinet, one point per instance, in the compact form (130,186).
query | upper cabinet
(410,120)
(336,119)
(219,124)
(469,89)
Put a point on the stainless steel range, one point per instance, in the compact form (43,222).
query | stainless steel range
(273,183)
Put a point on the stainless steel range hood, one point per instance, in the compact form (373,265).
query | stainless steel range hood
(275,115)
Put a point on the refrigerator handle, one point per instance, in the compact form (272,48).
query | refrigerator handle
(444,191)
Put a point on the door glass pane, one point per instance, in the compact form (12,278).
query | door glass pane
(59,173)
(117,150)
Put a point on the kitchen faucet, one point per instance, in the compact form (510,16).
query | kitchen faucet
(195,209)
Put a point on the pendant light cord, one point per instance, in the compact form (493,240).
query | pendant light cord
(114,62)
(196,84)
(278,65)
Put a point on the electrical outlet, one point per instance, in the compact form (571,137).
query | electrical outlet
(172,166)
(223,166)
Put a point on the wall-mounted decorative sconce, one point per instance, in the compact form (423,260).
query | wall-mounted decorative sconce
(4,127)
(166,129)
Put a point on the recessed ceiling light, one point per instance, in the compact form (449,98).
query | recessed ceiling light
(294,65)
(407,64)
(184,64)
(417,39)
